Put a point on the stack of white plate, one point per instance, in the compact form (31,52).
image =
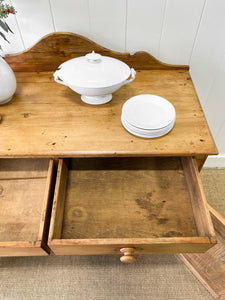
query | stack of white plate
(148,116)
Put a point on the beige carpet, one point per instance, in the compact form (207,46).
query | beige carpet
(152,277)
(214,186)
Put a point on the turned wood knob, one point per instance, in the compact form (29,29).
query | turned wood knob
(127,255)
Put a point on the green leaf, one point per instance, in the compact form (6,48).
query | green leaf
(4,26)
(3,36)
(8,27)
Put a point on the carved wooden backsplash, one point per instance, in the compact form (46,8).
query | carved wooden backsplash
(56,48)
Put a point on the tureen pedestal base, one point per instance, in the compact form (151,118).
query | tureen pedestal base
(96,100)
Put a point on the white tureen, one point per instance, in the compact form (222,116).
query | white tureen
(94,76)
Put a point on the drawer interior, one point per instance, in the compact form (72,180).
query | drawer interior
(124,198)
(128,198)
(22,192)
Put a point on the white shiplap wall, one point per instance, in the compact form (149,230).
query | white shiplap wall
(72,16)
(208,72)
(34,20)
(174,31)
(181,20)
(144,25)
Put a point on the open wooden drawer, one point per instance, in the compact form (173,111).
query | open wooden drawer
(149,205)
(25,188)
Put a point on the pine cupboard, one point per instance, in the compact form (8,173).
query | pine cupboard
(108,192)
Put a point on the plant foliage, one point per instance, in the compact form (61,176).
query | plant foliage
(5,10)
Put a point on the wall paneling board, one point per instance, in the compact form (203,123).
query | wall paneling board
(34,19)
(71,16)
(209,47)
(180,25)
(108,23)
(144,25)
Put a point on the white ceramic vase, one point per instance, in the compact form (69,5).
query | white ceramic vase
(7,82)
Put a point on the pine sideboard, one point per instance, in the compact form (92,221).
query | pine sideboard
(74,181)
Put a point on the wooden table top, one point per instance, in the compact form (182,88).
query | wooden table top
(46,119)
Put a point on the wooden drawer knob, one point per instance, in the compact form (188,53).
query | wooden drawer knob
(127,255)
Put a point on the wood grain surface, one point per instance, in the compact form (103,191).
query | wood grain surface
(21,203)
(24,200)
(141,245)
(59,200)
(48,119)
(200,210)
(123,200)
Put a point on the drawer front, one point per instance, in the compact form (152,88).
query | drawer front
(139,246)
(25,192)
(152,205)
(22,249)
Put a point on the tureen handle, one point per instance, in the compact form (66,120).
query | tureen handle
(133,74)
(57,79)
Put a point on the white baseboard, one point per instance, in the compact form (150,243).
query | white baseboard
(215,161)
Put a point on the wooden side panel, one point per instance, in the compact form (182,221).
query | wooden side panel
(56,48)
(200,160)
(200,210)
(58,203)
(47,204)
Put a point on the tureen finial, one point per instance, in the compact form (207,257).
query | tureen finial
(93,57)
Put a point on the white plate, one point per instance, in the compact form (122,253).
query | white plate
(148,112)
(147,133)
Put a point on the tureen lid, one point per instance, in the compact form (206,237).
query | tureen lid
(93,71)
